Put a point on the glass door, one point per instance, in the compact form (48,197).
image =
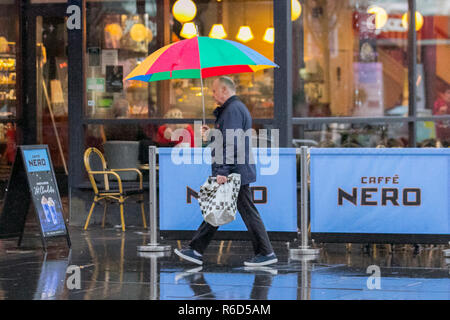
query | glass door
(51,88)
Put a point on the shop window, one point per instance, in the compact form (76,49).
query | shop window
(255,89)
(116,43)
(433,133)
(8,87)
(121,34)
(144,135)
(433,58)
(352,135)
(52,89)
(8,38)
(350,59)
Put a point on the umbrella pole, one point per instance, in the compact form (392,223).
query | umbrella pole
(203,100)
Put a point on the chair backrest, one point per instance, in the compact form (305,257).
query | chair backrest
(94,161)
(121,155)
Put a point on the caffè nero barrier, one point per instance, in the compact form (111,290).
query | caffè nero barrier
(354,195)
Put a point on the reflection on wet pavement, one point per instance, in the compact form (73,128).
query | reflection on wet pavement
(109,267)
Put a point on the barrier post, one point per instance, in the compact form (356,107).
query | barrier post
(154,234)
(154,281)
(305,292)
(304,248)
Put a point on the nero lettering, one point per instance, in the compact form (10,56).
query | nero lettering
(388,196)
(37,162)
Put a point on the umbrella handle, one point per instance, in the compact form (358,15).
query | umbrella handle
(203,98)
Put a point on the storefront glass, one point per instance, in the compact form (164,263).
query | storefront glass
(352,135)
(433,58)
(121,34)
(8,85)
(350,59)
(139,137)
(51,88)
(433,133)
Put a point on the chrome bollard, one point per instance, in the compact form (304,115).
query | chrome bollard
(153,246)
(304,249)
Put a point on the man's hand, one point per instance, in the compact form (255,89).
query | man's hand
(205,131)
(221,179)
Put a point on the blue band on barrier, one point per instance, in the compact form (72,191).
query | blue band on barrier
(380,151)
(386,191)
(181,175)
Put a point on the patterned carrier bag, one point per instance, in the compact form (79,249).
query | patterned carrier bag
(219,202)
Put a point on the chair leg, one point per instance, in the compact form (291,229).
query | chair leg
(121,213)
(104,213)
(143,214)
(90,213)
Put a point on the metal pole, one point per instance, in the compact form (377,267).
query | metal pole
(305,291)
(152,195)
(154,235)
(304,195)
(304,249)
(203,99)
(154,278)
(154,283)
(412,73)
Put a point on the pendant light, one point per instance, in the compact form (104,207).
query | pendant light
(245,33)
(296,9)
(184,10)
(189,30)
(381,16)
(269,34)
(419,20)
(218,30)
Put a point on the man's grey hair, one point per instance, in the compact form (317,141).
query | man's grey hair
(228,82)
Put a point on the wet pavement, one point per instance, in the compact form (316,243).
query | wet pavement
(109,267)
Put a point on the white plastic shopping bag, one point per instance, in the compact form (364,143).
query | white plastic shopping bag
(218,202)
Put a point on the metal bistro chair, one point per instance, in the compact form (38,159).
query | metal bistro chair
(103,192)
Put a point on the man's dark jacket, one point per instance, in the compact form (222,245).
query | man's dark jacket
(233,114)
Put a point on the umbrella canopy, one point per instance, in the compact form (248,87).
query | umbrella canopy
(199,58)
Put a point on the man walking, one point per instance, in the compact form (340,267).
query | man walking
(233,114)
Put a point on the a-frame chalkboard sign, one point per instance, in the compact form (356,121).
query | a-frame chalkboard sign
(32,178)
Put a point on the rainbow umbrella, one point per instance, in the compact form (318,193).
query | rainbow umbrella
(199,58)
